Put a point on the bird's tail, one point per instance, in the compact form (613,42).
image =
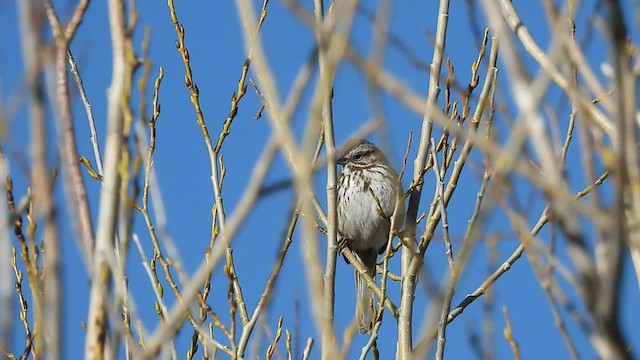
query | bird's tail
(364,295)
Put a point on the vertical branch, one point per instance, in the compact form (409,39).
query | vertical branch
(455,268)
(101,274)
(387,254)
(6,298)
(74,186)
(52,285)
(332,35)
(610,342)
(627,108)
(324,92)
(298,161)
(31,40)
(442,325)
(437,213)
(409,262)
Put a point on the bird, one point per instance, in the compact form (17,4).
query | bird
(369,190)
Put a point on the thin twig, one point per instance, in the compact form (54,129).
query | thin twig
(389,250)
(97,157)
(160,305)
(31,17)
(470,238)
(307,349)
(371,341)
(508,335)
(445,230)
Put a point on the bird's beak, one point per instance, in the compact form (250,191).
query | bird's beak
(341,160)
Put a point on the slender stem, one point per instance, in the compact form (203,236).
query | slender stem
(89,110)
(324,92)
(101,274)
(409,260)
(31,38)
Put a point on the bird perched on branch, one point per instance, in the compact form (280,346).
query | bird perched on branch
(368,192)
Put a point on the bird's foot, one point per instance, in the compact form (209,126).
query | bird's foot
(342,243)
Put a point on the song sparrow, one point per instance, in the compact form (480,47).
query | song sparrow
(368,191)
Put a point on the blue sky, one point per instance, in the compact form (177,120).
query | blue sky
(213,37)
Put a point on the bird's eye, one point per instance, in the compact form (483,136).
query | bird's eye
(357,156)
